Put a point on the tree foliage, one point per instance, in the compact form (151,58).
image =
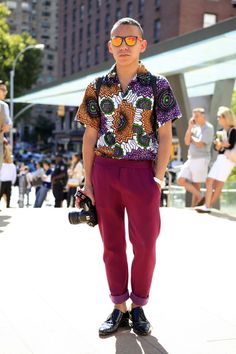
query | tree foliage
(28,66)
(233,103)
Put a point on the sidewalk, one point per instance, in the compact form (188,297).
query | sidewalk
(54,294)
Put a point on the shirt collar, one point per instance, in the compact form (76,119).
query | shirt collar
(142,75)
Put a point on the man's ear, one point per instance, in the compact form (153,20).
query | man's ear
(143,46)
(110,47)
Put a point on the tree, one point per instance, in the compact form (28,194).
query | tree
(233,103)
(28,66)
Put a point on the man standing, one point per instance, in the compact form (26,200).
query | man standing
(5,120)
(199,137)
(126,135)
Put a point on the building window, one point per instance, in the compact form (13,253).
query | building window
(72,64)
(130,9)
(209,20)
(97,26)
(157,4)
(81,13)
(79,61)
(118,13)
(65,20)
(106,52)
(89,30)
(88,57)
(107,23)
(64,67)
(80,36)
(73,40)
(141,6)
(65,43)
(89,7)
(97,49)
(99,3)
(157,29)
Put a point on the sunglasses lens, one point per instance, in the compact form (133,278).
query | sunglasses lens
(116,41)
(130,41)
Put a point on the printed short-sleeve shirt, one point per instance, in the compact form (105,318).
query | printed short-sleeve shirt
(126,124)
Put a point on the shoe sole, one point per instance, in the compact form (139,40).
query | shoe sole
(142,333)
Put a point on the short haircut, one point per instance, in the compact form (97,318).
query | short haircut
(127,21)
(3,83)
(199,109)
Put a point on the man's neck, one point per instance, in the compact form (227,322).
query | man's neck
(126,73)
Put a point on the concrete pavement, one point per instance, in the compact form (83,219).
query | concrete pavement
(54,294)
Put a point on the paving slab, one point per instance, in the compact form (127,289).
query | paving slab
(54,293)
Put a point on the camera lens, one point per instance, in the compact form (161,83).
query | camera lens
(74,217)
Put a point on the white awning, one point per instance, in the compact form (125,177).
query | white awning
(202,63)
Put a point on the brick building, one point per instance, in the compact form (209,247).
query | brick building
(84,25)
(40,19)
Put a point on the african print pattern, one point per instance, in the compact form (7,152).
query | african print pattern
(126,124)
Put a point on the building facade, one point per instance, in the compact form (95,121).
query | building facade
(84,30)
(84,25)
(40,19)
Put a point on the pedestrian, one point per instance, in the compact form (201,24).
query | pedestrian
(198,137)
(75,177)
(7,174)
(124,131)
(42,192)
(225,144)
(59,179)
(5,120)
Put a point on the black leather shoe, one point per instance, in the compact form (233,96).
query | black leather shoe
(113,322)
(140,324)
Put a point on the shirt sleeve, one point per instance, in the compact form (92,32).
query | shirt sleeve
(232,139)
(208,135)
(5,113)
(167,108)
(89,112)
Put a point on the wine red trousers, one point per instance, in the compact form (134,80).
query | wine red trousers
(121,185)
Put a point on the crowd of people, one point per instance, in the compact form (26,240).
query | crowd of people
(57,174)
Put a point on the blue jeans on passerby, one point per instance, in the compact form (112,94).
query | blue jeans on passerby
(40,196)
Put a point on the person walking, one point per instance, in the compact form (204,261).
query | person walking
(198,137)
(7,174)
(225,144)
(42,191)
(59,179)
(75,177)
(5,120)
(126,149)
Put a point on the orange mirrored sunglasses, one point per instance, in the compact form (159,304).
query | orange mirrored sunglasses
(130,41)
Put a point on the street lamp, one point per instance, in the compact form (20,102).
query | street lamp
(12,74)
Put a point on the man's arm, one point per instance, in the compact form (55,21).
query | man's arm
(197,142)
(188,134)
(7,122)
(164,149)
(89,142)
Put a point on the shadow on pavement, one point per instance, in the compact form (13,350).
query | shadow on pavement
(221,215)
(4,221)
(129,343)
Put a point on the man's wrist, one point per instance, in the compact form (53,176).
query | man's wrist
(159,181)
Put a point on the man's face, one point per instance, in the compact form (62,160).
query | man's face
(3,92)
(124,54)
(198,116)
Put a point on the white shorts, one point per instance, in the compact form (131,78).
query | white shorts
(195,170)
(221,168)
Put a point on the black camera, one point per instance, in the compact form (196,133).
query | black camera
(88,213)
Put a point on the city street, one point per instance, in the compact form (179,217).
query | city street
(54,294)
